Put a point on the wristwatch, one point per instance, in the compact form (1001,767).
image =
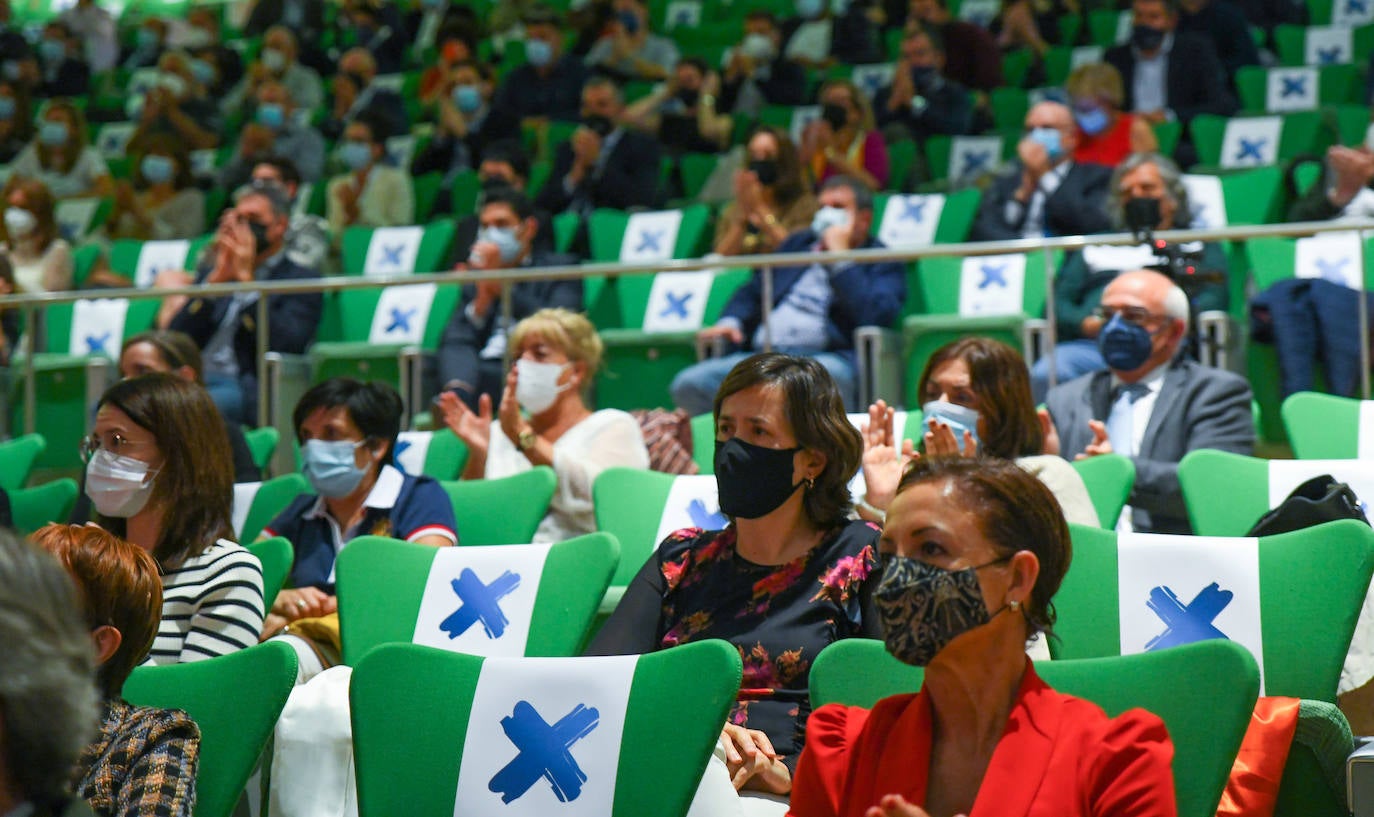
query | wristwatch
(525,440)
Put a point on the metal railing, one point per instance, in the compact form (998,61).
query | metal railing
(28,304)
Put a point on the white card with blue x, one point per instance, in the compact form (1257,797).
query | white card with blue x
(973,156)
(544,737)
(412,447)
(98,327)
(692,503)
(1251,141)
(392,251)
(159,256)
(1291,89)
(1352,12)
(910,221)
(479,600)
(677,301)
(1206,201)
(992,285)
(651,236)
(402,313)
(1333,257)
(1328,45)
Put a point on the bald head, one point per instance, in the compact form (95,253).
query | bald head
(1152,301)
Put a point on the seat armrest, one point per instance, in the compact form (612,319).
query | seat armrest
(1216,339)
(878,351)
(412,360)
(1035,339)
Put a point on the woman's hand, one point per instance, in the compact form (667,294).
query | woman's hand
(752,762)
(894,805)
(941,442)
(509,412)
(884,461)
(304,602)
(473,429)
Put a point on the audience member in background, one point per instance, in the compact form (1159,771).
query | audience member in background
(549,83)
(1224,23)
(62,158)
(504,164)
(46,690)
(161,201)
(347,432)
(356,94)
(1106,134)
(973,552)
(277,62)
(1086,273)
(150,38)
(544,420)
(65,71)
(1031,24)
(16,120)
(9,318)
(630,51)
(96,29)
(307,235)
(159,475)
(373,193)
(755,72)
(304,16)
(920,102)
(377,27)
(972,57)
(682,112)
(223,66)
(1045,192)
(471,359)
(816,307)
(13,44)
(247,247)
(275,130)
(177,107)
(603,164)
(772,197)
(825,33)
(1151,404)
(6,514)
(451,31)
(844,140)
(1344,190)
(789,574)
(456,46)
(144,760)
(41,258)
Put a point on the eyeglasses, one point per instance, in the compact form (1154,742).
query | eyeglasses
(1131,314)
(116,444)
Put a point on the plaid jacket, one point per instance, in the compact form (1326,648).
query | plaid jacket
(142,764)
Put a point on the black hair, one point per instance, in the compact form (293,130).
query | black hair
(374,407)
(290,174)
(695,62)
(512,153)
(509,196)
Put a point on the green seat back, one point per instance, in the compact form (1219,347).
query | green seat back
(628,503)
(1336,85)
(446,456)
(956,216)
(1109,479)
(124,254)
(425,191)
(607,229)
(937,152)
(58,319)
(271,499)
(381,583)
(261,443)
(1203,692)
(1301,133)
(1009,107)
(1312,584)
(1322,426)
(463,195)
(235,699)
(430,256)
(1225,493)
(411,706)
(32,508)
(504,511)
(17,457)
(276,556)
(355,355)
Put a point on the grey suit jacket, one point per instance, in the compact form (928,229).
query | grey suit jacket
(1197,407)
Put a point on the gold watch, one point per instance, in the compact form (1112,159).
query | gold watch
(525,440)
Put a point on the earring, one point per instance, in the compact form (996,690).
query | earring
(810,483)
(1014,605)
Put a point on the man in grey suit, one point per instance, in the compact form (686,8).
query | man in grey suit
(1151,404)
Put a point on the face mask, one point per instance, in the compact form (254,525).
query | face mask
(116,485)
(506,241)
(1124,345)
(273,60)
(835,114)
(467,98)
(629,21)
(260,241)
(538,52)
(357,155)
(753,481)
(810,9)
(922,607)
(923,76)
(688,97)
(11,70)
(828,217)
(6,107)
(1048,138)
(52,50)
(958,418)
(271,115)
(173,83)
(765,169)
(536,384)
(331,466)
(1091,121)
(20,222)
(197,38)
(146,38)
(52,134)
(157,169)
(757,47)
(599,125)
(434,4)
(1147,38)
(203,71)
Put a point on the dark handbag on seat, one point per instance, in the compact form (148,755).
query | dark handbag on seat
(1320,499)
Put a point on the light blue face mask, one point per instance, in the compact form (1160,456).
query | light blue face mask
(331,466)
(958,418)
(7,107)
(357,155)
(506,241)
(538,52)
(1091,121)
(810,9)
(1048,138)
(271,115)
(52,50)
(828,217)
(203,71)
(157,169)
(467,98)
(52,134)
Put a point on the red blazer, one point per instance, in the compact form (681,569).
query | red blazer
(1060,756)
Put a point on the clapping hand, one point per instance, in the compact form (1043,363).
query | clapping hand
(472,428)
(884,460)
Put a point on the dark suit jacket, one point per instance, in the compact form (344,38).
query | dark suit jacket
(1197,81)
(628,177)
(557,95)
(6,519)
(1197,407)
(1078,205)
(786,85)
(384,104)
(862,294)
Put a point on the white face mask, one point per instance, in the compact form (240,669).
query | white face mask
(273,60)
(118,486)
(536,384)
(20,222)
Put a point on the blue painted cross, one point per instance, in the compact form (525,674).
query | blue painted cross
(1293,86)
(685,17)
(544,752)
(401,447)
(1356,7)
(993,275)
(1331,270)
(391,254)
(1198,208)
(649,240)
(1186,624)
(872,81)
(976,160)
(1253,149)
(1329,56)
(704,518)
(913,209)
(677,305)
(479,604)
(400,319)
(97,343)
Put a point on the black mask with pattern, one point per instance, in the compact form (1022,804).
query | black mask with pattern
(922,607)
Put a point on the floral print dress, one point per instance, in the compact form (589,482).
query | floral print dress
(779,617)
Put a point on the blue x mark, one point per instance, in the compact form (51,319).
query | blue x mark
(1186,624)
(975,160)
(684,17)
(872,81)
(1293,86)
(649,240)
(704,518)
(1331,270)
(1355,6)
(391,254)
(97,343)
(401,447)
(1253,149)
(993,275)
(1329,56)
(400,319)
(480,604)
(677,305)
(913,210)
(1198,209)
(544,752)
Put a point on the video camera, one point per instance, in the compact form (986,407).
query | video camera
(1181,262)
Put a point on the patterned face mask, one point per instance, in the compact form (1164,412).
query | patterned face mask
(922,607)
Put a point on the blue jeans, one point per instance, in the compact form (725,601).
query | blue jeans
(695,387)
(227,392)
(1072,358)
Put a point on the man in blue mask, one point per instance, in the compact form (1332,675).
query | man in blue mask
(1045,192)
(1152,404)
(631,52)
(275,130)
(549,83)
(920,101)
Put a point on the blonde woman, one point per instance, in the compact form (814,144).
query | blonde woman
(1107,135)
(844,141)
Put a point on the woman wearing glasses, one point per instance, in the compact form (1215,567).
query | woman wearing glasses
(159,474)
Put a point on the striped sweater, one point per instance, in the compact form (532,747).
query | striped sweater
(211,605)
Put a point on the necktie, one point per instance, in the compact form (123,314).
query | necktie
(1120,424)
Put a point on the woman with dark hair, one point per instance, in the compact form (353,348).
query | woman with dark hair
(16,123)
(787,576)
(9,318)
(62,157)
(162,202)
(41,258)
(159,475)
(772,199)
(973,552)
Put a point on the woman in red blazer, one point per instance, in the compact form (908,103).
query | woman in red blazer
(973,551)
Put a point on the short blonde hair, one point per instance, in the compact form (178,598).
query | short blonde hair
(858,97)
(1098,80)
(569,331)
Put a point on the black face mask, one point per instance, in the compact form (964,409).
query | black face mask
(924,77)
(753,481)
(836,115)
(765,169)
(599,125)
(688,97)
(260,241)
(1147,38)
